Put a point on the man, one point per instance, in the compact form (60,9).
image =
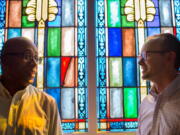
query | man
(160,110)
(24,110)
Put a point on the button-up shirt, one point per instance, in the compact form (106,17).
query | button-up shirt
(28,112)
(160,113)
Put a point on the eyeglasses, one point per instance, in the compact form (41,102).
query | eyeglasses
(26,56)
(144,54)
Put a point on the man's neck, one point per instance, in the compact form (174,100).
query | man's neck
(11,85)
(161,83)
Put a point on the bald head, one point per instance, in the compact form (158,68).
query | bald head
(16,45)
(19,59)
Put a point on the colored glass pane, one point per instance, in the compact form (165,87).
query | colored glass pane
(113,13)
(54,37)
(130,102)
(116,103)
(129,72)
(26,23)
(128,40)
(115,74)
(14,14)
(53,72)
(67,103)
(115,42)
(68,13)
(126,23)
(55,93)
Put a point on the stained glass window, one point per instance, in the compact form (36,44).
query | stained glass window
(59,29)
(121,28)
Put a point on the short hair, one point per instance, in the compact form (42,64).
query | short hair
(11,42)
(168,42)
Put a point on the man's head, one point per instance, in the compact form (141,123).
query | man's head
(19,60)
(160,54)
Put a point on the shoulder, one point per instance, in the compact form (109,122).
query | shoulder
(147,105)
(172,106)
(174,100)
(148,100)
(42,96)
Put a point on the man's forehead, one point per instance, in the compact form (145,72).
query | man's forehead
(21,47)
(151,46)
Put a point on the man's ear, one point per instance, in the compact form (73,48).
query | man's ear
(171,57)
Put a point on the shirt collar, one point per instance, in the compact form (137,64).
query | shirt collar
(169,90)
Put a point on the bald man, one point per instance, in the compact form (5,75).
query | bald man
(24,110)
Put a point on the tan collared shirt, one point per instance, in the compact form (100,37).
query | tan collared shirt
(160,114)
(28,112)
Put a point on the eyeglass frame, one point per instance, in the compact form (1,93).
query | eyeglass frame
(143,55)
(24,56)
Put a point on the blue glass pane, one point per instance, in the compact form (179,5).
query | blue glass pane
(101,72)
(53,72)
(67,103)
(123,126)
(100,42)
(154,23)
(68,127)
(115,43)
(82,76)
(14,33)
(155,2)
(117,125)
(82,51)
(165,12)
(100,16)
(2,13)
(129,72)
(58,2)
(102,103)
(82,102)
(0,70)
(55,23)
(177,15)
(153,31)
(1,38)
(68,12)
(55,93)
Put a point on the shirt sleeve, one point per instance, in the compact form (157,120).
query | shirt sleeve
(55,123)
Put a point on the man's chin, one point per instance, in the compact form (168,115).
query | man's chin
(145,77)
(31,81)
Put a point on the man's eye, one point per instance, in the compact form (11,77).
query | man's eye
(27,56)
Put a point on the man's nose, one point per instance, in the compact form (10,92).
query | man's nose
(34,62)
(140,60)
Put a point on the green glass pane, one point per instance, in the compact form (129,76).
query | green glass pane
(114,18)
(123,2)
(54,36)
(25,3)
(26,23)
(24,11)
(126,23)
(115,72)
(130,102)
(122,11)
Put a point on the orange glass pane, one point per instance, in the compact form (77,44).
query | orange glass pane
(128,38)
(70,79)
(14,14)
